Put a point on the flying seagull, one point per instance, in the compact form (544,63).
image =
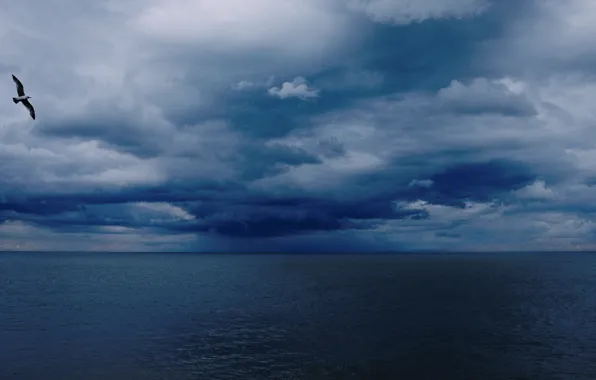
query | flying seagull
(22,97)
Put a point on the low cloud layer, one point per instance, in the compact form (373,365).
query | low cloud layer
(321,126)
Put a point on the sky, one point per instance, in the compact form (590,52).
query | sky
(286,125)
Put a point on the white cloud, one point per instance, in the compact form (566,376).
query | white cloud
(142,174)
(117,229)
(565,226)
(312,25)
(447,214)
(326,176)
(166,209)
(298,88)
(536,190)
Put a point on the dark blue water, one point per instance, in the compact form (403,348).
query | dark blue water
(173,316)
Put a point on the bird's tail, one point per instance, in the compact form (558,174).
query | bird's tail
(15,100)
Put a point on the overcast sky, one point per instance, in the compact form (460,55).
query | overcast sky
(304,125)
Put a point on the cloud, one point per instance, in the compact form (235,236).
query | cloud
(421,182)
(551,38)
(484,96)
(20,236)
(245,85)
(536,190)
(408,11)
(298,88)
(442,125)
(237,25)
(480,181)
(165,209)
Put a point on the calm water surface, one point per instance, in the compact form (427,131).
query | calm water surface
(175,316)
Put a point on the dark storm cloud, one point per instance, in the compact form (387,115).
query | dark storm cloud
(269,126)
(295,216)
(115,131)
(480,181)
(230,214)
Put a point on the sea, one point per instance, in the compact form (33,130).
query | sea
(170,316)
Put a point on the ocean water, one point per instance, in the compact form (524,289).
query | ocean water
(182,316)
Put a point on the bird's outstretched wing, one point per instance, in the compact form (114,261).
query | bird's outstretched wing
(20,89)
(29,107)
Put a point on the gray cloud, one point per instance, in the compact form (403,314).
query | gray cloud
(408,11)
(161,125)
(484,96)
